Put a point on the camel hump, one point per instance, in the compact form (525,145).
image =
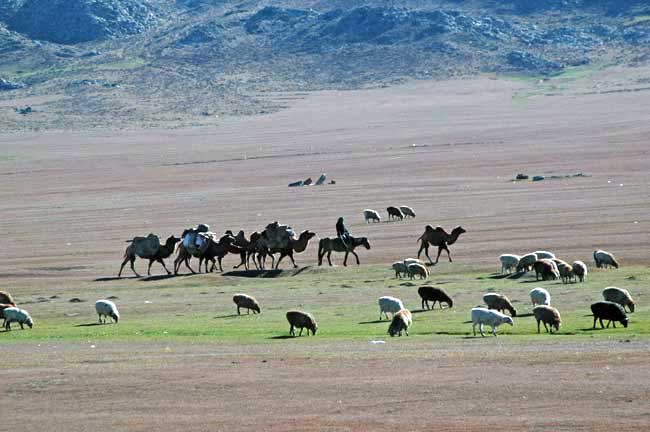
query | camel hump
(146,247)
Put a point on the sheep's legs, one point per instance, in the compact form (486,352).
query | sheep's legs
(300,332)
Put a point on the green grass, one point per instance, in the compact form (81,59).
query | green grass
(200,308)
(23,72)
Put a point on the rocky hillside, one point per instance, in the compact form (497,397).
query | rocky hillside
(149,61)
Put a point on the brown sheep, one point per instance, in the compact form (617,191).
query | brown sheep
(547,315)
(546,268)
(299,319)
(6,298)
(499,302)
(401,321)
(247,302)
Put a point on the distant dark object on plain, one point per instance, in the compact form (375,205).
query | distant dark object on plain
(521,176)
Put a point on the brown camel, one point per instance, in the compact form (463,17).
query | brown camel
(438,237)
(296,246)
(144,247)
(212,249)
(248,247)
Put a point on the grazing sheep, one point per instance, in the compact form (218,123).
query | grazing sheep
(4,306)
(5,298)
(389,304)
(620,296)
(14,314)
(579,270)
(526,262)
(499,302)
(604,259)
(417,269)
(609,311)
(539,296)
(508,262)
(547,315)
(106,308)
(565,270)
(547,268)
(299,319)
(247,302)
(544,255)
(429,293)
(492,318)
(408,211)
(400,268)
(394,213)
(371,215)
(409,261)
(401,321)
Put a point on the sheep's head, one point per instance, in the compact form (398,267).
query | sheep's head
(313,328)
(624,322)
(614,263)
(115,316)
(508,320)
(513,311)
(256,307)
(450,302)
(631,306)
(30,323)
(557,325)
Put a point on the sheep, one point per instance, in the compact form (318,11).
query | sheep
(402,320)
(389,304)
(400,268)
(539,296)
(609,311)
(547,315)
(4,306)
(14,314)
(508,262)
(107,308)
(429,293)
(247,302)
(371,215)
(526,262)
(394,213)
(620,296)
(579,270)
(565,270)
(544,255)
(604,259)
(408,211)
(299,319)
(481,315)
(417,269)
(547,268)
(409,261)
(499,302)
(5,298)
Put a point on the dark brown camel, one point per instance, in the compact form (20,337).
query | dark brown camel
(136,249)
(438,237)
(296,246)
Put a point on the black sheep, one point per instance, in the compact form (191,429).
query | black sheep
(429,293)
(609,311)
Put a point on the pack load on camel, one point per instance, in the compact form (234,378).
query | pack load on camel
(195,240)
(278,236)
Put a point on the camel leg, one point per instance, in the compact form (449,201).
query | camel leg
(448,254)
(282,255)
(321,253)
(187,264)
(151,261)
(426,253)
(160,260)
(356,256)
(439,252)
(126,260)
(220,268)
(132,259)
(292,260)
(272,260)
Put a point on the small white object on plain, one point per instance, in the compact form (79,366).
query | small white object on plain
(147,302)
(375,342)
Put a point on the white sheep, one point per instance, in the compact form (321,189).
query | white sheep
(400,268)
(604,259)
(417,269)
(620,296)
(580,270)
(389,304)
(107,308)
(371,215)
(492,318)
(539,296)
(544,255)
(508,262)
(526,262)
(409,261)
(14,314)
(408,211)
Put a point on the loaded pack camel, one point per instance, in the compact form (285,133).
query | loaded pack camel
(213,249)
(248,247)
(329,245)
(294,245)
(438,237)
(148,248)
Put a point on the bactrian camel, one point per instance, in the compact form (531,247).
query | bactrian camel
(141,247)
(438,237)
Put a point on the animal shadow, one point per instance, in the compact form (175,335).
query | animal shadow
(283,337)
(375,322)
(162,277)
(89,324)
(526,315)
(255,273)
(226,316)
(113,278)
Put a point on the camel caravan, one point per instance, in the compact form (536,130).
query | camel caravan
(276,241)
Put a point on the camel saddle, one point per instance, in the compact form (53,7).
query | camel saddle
(195,240)
(277,235)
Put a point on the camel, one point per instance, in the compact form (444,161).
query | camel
(297,246)
(438,237)
(248,247)
(329,245)
(142,247)
(213,249)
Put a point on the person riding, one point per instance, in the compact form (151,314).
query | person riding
(342,232)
